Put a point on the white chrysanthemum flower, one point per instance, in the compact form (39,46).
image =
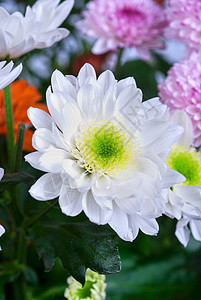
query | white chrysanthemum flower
(94,288)
(104,151)
(7,75)
(184,199)
(2,231)
(36,30)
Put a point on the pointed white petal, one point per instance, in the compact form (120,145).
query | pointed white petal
(148,226)
(47,187)
(106,79)
(171,177)
(34,160)
(86,71)
(39,118)
(43,139)
(62,84)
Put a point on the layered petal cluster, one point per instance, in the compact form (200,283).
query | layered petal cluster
(94,288)
(184,199)
(2,231)
(36,30)
(125,23)
(22,96)
(184,18)
(104,151)
(7,75)
(181,90)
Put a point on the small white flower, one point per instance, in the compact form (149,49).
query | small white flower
(104,151)
(2,230)
(94,288)
(184,200)
(6,75)
(36,30)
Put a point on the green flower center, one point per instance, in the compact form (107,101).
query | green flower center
(187,163)
(85,291)
(105,147)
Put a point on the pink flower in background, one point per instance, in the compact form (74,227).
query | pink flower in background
(125,23)
(184,18)
(182,90)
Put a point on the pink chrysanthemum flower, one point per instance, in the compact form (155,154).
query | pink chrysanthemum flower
(182,90)
(184,18)
(125,23)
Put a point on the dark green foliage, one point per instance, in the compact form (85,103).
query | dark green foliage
(79,246)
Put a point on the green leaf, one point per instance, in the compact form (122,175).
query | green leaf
(79,246)
(15,178)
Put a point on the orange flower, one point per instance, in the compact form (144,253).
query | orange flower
(23,96)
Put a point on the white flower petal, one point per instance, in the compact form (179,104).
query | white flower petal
(181,118)
(62,84)
(164,141)
(132,204)
(129,97)
(119,222)
(89,98)
(43,139)
(34,160)
(2,231)
(172,177)
(195,226)
(147,226)
(174,205)
(52,159)
(93,210)
(70,120)
(1,173)
(86,71)
(47,187)
(7,76)
(70,201)
(106,79)
(39,118)
(182,232)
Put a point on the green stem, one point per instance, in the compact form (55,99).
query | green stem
(20,288)
(16,163)
(9,122)
(42,212)
(117,69)
(20,285)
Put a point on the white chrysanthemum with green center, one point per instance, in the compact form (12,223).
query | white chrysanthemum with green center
(100,158)
(184,199)
(94,288)
(105,148)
